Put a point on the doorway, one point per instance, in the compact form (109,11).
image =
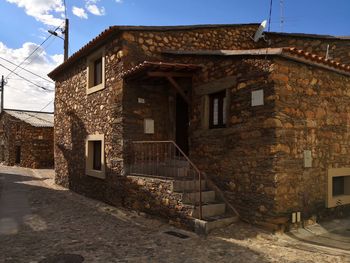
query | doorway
(182,123)
(18,154)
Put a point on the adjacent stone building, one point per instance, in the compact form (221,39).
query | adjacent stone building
(26,138)
(141,112)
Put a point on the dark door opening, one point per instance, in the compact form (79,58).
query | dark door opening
(182,123)
(18,154)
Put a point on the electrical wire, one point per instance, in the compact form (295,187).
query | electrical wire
(46,39)
(26,70)
(35,84)
(47,105)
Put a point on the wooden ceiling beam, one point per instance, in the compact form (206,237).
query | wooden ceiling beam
(179,89)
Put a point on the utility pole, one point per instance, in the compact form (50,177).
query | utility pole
(66,39)
(2,85)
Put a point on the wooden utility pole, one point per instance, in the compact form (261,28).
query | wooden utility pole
(66,39)
(2,85)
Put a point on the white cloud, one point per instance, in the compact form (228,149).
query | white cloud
(79,12)
(95,10)
(119,1)
(45,11)
(19,94)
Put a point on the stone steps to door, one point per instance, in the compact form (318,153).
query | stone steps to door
(188,186)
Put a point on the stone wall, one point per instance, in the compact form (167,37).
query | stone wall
(36,143)
(339,49)
(148,45)
(312,109)
(78,115)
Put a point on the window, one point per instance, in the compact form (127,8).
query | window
(97,165)
(95,72)
(98,71)
(95,156)
(338,185)
(217,110)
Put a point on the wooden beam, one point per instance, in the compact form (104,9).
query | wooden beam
(178,89)
(169,74)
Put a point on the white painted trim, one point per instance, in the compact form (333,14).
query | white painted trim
(88,156)
(89,72)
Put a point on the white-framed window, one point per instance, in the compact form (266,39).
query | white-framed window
(338,190)
(96,72)
(94,156)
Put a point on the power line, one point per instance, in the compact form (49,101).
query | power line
(46,89)
(47,105)
(26,70)
(12,71)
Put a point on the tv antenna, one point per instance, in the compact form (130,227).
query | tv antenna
(282,15)
(260,32)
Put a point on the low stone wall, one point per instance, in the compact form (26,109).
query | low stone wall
(156,197)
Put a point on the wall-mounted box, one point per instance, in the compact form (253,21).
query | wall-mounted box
(257,97)
(307,159)
(141,100)
(149,126)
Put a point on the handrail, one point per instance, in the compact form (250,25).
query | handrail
(187,159)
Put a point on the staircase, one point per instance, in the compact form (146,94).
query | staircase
(166,160)
(214,212)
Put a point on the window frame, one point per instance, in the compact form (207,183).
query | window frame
(221,96)
(341,198)
(90,153)
(91,86)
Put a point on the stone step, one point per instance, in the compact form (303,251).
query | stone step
(208,224)
(209,210)
(190,198)
(187,185)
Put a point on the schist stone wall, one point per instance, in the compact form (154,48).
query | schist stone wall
(78,114)
(312,114)
(36,143)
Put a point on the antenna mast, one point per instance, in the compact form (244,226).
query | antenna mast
(282,15)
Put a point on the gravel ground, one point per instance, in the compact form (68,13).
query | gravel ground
(39,219)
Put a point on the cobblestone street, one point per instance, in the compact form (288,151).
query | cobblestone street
(39,219)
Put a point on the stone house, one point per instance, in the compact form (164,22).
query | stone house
(26,138)
(202,122)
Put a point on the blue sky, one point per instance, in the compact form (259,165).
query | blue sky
(25,24)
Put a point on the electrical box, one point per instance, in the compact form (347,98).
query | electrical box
(257,97)
(149,126)
(307,159)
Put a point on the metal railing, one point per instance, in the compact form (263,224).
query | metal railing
(164,159)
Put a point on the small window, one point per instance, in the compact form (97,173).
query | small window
(95,156)
(98,71)
(97,165)
(338,185)
(95,72)
(217,110)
